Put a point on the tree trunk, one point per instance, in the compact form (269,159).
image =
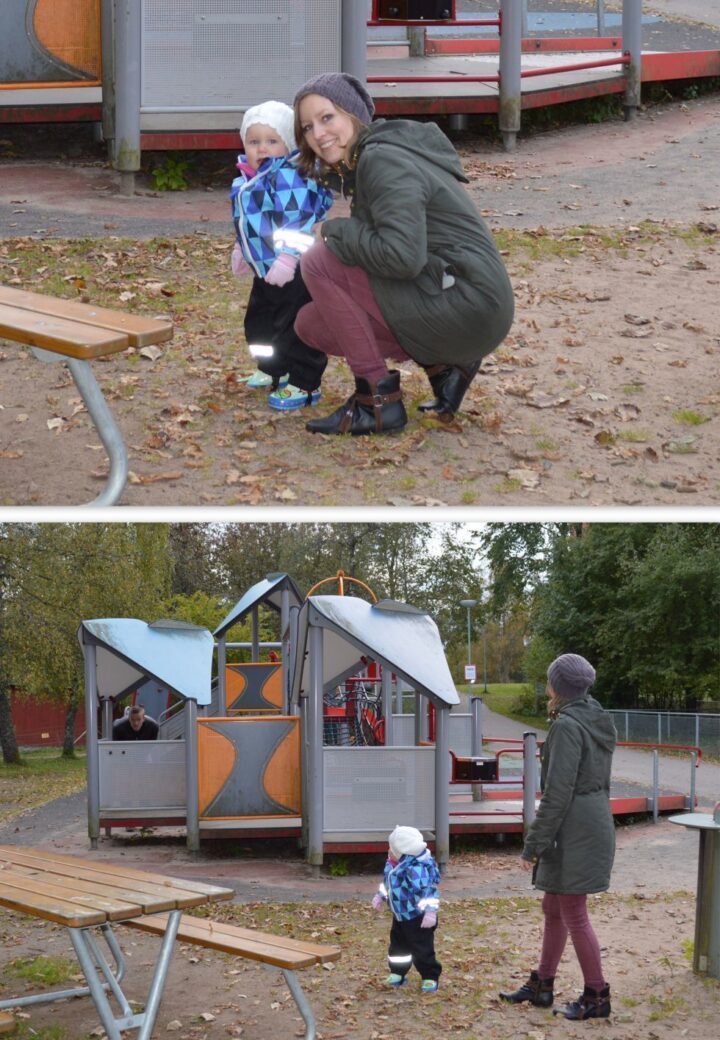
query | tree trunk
(68,750)
(8,739)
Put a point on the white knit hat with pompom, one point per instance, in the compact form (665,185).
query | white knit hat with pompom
(406,841)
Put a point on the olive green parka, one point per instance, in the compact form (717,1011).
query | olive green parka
(573,834)
(411,223)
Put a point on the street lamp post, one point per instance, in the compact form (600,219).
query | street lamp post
(469,604)
(484,634)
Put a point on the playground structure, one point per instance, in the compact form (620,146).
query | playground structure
(160,76)
(317,745)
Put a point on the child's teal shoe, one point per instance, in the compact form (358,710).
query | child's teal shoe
(289,397)
(259,380)
(429,986)
(395,980)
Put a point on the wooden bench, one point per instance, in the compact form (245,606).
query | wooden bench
(272,951)
(7,1023)
(73,332)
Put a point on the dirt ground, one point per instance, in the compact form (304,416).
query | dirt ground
(605,393)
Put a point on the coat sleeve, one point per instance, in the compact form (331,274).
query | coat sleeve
(564,753)
(393,242)
(429,898)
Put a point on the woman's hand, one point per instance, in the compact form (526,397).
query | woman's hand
(526,864)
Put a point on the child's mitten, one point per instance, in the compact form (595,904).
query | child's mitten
(238,263)
(378,902)
(429,919)
(282,270)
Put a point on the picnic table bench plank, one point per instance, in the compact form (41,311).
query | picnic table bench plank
(211,893)
(7,1022)
(73,339)
(73,891)
(277,950)
(152,897)
(141,331)
(52,909)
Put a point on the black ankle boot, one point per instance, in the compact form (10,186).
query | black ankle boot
(449,383)
(592,1003)
(538,991)
(373,408)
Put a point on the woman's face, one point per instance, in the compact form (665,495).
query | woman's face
(328,130)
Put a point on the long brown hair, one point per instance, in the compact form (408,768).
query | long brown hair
(308,161)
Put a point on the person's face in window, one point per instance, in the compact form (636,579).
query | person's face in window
(328,130)
(137,720)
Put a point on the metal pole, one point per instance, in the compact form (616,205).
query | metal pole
(632,46)
(485,689)
(601,17)
(128,22)
(107,429)
(314,851)
(222,681)
(524,18)
(387,705)
(285,652)
(192,780)
(656,778)
(418,718)
(255,637)
(469,637)
(442,787)
(354,39)
(693,768)
(107,718)
(107,37)
(91,744)
(530,784)
(510,80)
(476,739)
(398,695)
(416,41)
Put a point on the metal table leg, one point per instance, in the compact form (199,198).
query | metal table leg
(105,424)
(301,1002)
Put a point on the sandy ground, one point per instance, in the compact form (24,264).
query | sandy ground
(605,393)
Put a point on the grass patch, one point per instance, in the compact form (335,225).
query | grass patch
(690,418)
(514,700)
(43,776)
(42,971)
(634,436)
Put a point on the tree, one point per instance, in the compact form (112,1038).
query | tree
(61,574)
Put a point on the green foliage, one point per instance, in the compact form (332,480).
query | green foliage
(339,866)
(42,971)
(170,175)
(688,949)
(688,417)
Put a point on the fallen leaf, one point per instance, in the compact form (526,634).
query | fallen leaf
(152,353)
(527,477)
(154,478)
(541,400)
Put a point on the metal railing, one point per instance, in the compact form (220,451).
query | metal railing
(669,727)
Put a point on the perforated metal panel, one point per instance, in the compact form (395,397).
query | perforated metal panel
(142,774)
(372,789)
(219,54)
(404,729)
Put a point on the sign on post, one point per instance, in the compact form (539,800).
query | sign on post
(470,673)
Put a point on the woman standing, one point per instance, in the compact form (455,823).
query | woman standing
(412,273)
(570,845)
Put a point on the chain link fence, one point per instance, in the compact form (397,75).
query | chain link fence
(669,727)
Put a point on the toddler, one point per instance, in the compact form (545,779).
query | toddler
(274,210)
(410,889)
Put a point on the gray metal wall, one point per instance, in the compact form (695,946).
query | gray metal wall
(373,789)
(142,774)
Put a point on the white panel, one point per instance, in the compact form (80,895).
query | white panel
(206,53)
(373,789)
(404,729)
(142,774)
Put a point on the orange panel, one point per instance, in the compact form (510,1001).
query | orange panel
(70,30)
(216,759)
(239,678)
(281,778)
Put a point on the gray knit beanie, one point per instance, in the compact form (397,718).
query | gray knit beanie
(343,90)
(570,675)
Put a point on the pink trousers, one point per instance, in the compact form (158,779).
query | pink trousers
(567,915)
(344,319)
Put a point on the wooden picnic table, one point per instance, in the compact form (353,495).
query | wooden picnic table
(85,896)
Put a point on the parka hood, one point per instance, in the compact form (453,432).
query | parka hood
(596,722)
(423,139)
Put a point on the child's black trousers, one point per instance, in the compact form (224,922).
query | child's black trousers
(410,944)
(269,319)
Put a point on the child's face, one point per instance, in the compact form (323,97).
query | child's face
(262,142)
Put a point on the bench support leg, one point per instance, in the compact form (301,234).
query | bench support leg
(302,1002)
(82,991)
(106,427)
